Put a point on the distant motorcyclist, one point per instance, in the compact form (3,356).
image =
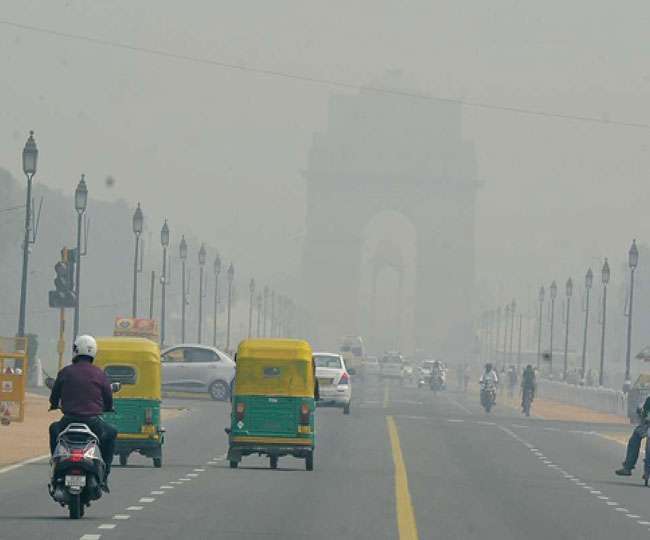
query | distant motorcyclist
(489,376)
(634,443)
(83,392)
(528,387)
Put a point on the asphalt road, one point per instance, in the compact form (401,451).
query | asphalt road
(405,464)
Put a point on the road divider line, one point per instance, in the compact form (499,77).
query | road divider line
(20,464)
(107,526)
(406,525)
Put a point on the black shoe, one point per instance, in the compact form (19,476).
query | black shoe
(623,472)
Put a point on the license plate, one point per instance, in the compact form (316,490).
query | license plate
(75,481)
(325,382)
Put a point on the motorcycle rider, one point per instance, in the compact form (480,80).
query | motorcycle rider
(634,443)
(83,392)
(489,376)
(528,384)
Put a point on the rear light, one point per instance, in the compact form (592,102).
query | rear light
(304,413)
(77,455)
(148,416)
(345,378)
(239,410)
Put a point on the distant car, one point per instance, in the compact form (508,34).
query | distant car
(198,369)
(371,365)
(333,381)
(391,365)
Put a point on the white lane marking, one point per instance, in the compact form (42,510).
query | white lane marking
(603,498)
(166,487)
(157,492)
(107,526)
(192,475)
(23,463)
(175,482)
(199,470)
(519,426)
(596,492)
(455,420)
(135,508)
(121,517)
(147,499)
(621,510)
(611,503)
(484,423)
(91,537)
(632,516)
(643,522)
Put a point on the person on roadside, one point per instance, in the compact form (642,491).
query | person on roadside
(512,381)
(634,443)
(83,393)
(528,385)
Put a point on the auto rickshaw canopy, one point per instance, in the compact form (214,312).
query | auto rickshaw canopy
(274,367)
(132,361)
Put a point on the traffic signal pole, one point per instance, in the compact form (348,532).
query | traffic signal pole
(61,343)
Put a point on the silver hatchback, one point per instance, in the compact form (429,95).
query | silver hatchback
(197,369)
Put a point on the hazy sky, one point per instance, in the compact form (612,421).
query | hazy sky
(220,151)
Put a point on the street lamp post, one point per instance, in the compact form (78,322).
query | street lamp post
(513,307)
(496,339)
(183,255)
(569,293)
(202,255)
(80,204)
(589,279)
(164,241)
(30,159)
(217,271)
(272,332)
(633,261)
(605,274)
(506,324)
(259,314)
(251,290)
(231,276)
(265,309)
(138,223)
(553,291)
(539,330)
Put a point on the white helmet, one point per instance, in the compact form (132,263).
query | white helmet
(85,346)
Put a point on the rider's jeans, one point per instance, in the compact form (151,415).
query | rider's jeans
(634,445)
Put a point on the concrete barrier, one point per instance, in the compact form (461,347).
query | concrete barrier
(600,399)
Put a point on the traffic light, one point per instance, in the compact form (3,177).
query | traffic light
(63,295)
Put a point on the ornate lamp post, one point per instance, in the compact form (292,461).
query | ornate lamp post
(80,204)
(251,290)
(30,159)
(513,307)
(605,280)
(553,291)
(589,279)
(164,241)
(138,224)
(231,277)
(183,255)
(633,261)
(202,255)
(539,330)
(217,271)
(569,293)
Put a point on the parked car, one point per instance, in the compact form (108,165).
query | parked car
(198,369)
(333,381)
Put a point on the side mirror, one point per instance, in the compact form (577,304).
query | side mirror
(49,382)
(116,387)
(352,371)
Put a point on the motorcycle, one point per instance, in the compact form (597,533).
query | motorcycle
(526,401)
(77,467)
(437,383)
(488,396)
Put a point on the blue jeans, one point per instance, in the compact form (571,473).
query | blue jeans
(634,445)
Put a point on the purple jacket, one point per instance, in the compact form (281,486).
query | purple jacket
(82,389)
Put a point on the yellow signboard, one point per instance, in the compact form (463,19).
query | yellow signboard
(13,378)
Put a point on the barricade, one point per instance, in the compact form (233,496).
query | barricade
(601,399)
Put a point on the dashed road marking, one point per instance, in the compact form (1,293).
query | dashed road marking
(199,470)
(107,526)
(166,487)
(611,503)
(121,517)
(622,510)
(192,475)
(147,499)
(454,420)
(632,516)
(175,482)
(91,537)
(643,522)
(596,492)
(135,508)
(157,492)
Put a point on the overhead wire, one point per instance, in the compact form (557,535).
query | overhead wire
(323,81)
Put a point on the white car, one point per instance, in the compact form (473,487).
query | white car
(371,365)
(333,381)
(391,366)
(198,369)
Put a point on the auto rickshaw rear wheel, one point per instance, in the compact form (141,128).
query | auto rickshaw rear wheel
(157,462)
(233,464)
(309,462)
(274,462)
(124,459)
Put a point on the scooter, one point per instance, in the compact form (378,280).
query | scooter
(488,396)
(77,467)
